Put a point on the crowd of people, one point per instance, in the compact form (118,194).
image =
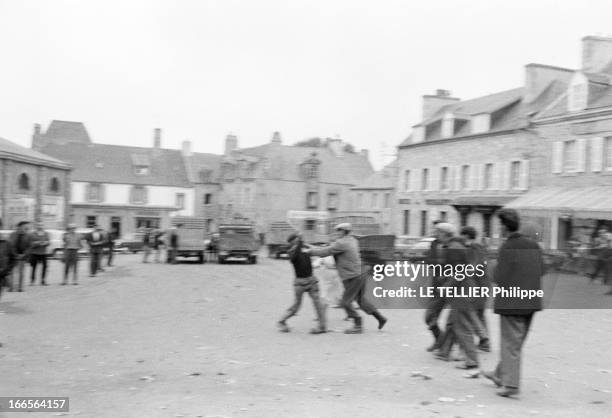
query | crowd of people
(520,264)
(592,257)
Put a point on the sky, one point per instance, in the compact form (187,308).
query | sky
(307,68)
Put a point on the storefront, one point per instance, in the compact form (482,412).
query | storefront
(122,219)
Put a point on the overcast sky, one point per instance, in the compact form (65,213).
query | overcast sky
(200,69)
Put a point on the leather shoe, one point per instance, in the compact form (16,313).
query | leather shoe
(508,392)
(491,376)
(318,331)
(467,366)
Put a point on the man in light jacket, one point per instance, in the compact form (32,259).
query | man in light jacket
(345,250)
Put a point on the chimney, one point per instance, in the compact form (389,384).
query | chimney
(186,148)
(231,143)
(276,138)
(596,53)
(539,76)
(36,138)
(336,146)
(157,138)
(433,103)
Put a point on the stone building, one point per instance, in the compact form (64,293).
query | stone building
(571,184)
(265,182)
(468,158)
(119,187)
(33,187)
(375,197)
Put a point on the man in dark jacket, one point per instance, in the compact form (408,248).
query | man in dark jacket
(436,305)
(21,241)
(7,261)
(96,241)
(345,250)
(38,253)
(304,282)
(520,264)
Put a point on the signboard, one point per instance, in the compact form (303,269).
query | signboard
(307,214)
(438,201)
(405,201)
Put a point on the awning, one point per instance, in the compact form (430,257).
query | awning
(482,200)
(584,202)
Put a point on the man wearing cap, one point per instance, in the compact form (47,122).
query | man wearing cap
(38,253)
(21,241)
(437,303)
(304,282)
(519,264)
(72,245)
(345,250)
(96,241)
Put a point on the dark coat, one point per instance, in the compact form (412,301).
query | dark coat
(456,255)
(7,259)
(96,247)
(26,242)
(519,264)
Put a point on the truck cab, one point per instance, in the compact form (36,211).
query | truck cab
(238,242)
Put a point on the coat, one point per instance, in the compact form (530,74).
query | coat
(456,255)
(39,243)
(7,259)
(27,243)
(96,247)
(519,264)
(346,254)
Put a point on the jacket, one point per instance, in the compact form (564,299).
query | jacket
(72,241)
(96,246)
(7,259)
(456,257)
(519,264)
(26,243)
(346,254)
(39,243)
(301,262)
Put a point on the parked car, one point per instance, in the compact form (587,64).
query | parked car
(403,243)
(419,250)
(132,242)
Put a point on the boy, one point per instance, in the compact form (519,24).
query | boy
(304,282)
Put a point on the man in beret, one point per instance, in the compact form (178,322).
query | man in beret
(304,282)
(519,264)
(345,250)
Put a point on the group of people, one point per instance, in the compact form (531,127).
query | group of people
(601,250)
(519,264)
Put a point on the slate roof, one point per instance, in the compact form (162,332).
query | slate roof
(382,179)
(284,161)
(114,164)
(599,96)
(67,131)
(12,151)
(204,161)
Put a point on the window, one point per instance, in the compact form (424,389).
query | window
(312,171)
(310,225)
(180,200)
(205,175)
(359,200)
(54,185)
(443,216)
(24,182)
(311,200)
(423,223)
(141,171)
(387,200)
(444,178)
(569,156)
(374,200)
(608,153)
(139,195)
(91,222)
(577,97)
(94,192)
(425,179)
(488,176)
(208,198)
(407,180)
(406,222)
(515,175)
(332,201)
(465,177)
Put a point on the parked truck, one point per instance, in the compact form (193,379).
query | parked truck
(237,241)
(190,232)
(276,238)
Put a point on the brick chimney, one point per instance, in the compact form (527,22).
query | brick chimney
(276,138)
(596,53)
(433,103)
(186,148)
(539,76)
(231,143)
(36,138)
(157,138)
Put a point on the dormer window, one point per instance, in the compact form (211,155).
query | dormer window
(310,167)
(481,123)
(141,164)
(578,91)
(448,125)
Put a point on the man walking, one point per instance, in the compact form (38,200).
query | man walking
(96,242)
(173,244)
(38,253)
(7,261)
(520,264)
(72,245)
(147,243)
(436,304)
(304,282)
(110,245)
(21,242)
(345,250)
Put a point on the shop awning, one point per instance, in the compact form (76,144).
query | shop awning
(482,200)
(584,202)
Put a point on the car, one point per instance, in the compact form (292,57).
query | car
(419,250)
(131,242)
(403,243)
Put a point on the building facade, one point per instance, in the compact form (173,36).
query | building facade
(572,178)
(121,188)
(467,159)
(33,187)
